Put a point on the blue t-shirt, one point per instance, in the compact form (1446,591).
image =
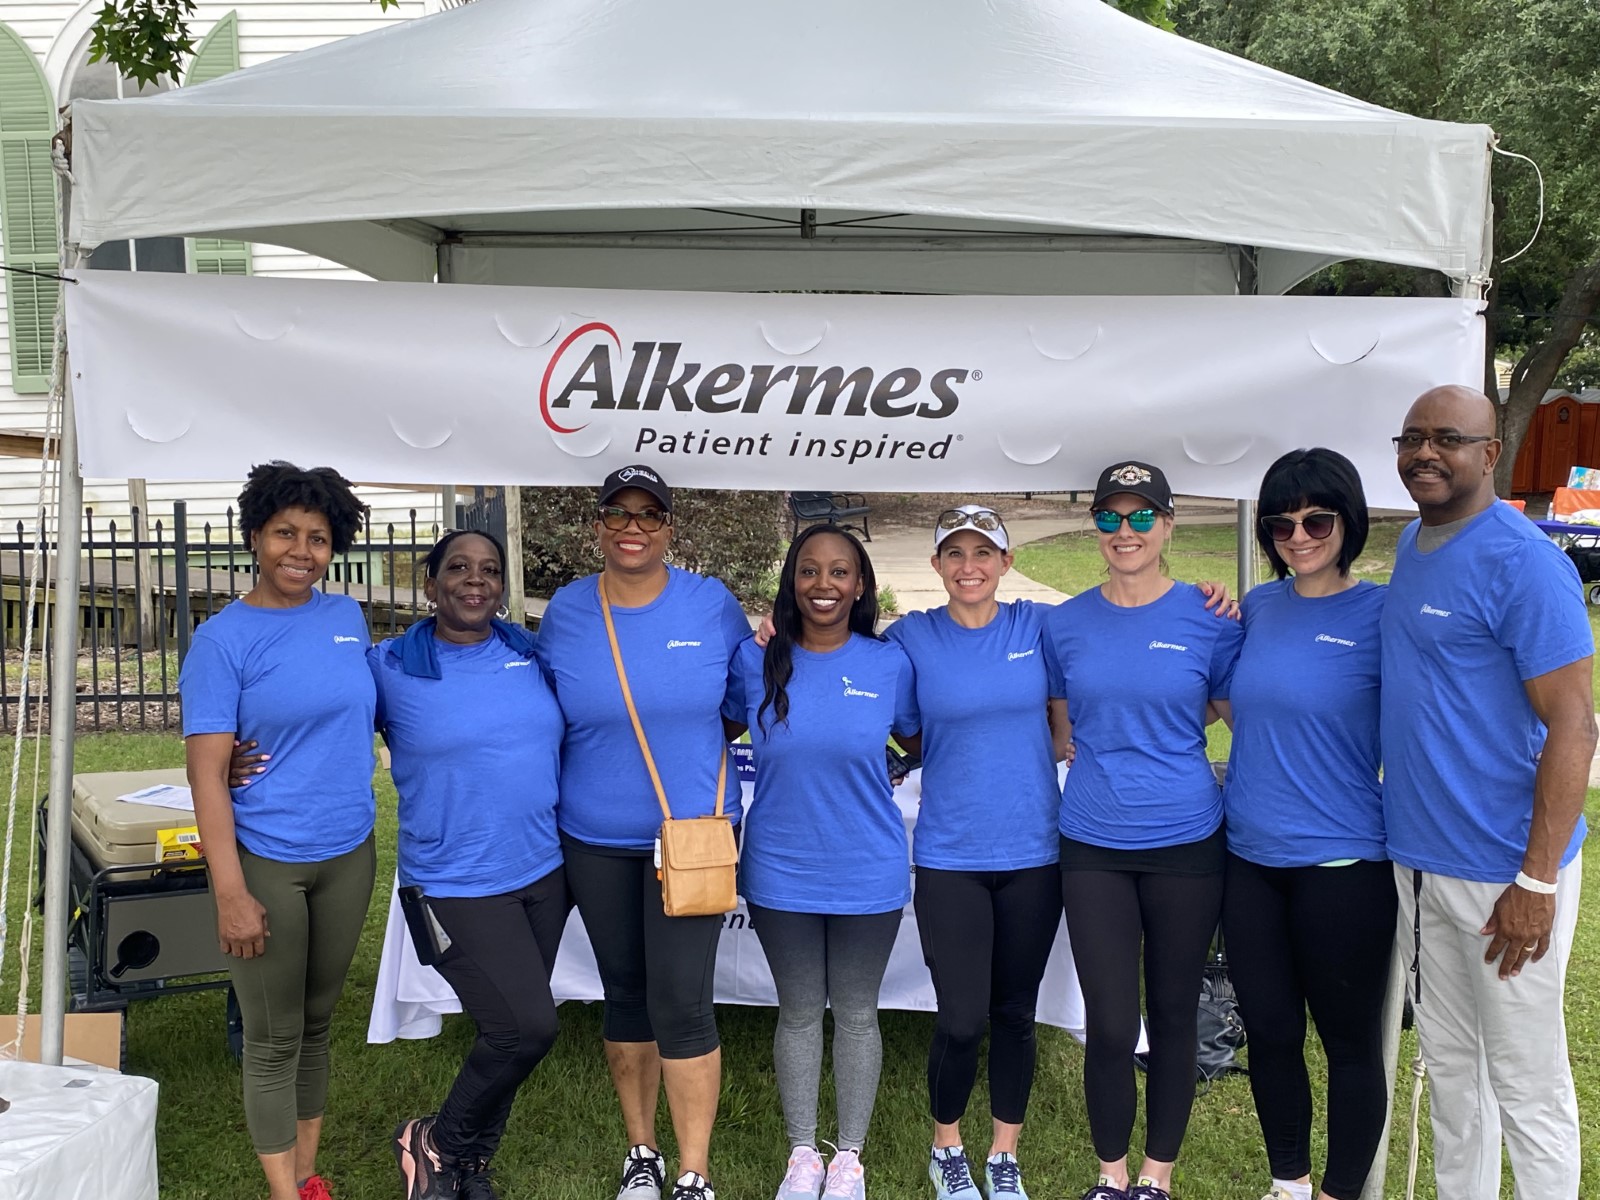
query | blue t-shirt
(825,834)
(1463,627)
(296,681)
(1302,784)
(1136,682)
(989,793)
(676,651)
(476,757)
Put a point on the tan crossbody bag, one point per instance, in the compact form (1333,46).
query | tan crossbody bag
(698,854)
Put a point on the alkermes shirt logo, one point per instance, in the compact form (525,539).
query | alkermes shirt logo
(850,689)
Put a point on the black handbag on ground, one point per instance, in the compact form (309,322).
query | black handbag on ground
(1220,1027)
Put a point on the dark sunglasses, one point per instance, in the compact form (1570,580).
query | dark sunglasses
(1141,520)
(1318,525)
(615,518)
(985,519)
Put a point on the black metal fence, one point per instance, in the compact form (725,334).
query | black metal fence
(143,590)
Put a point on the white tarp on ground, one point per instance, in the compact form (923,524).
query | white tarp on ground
(475,384)
(531,117)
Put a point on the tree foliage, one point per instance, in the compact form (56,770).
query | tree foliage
(1530,69)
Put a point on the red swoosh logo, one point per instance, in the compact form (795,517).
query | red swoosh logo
(544,384)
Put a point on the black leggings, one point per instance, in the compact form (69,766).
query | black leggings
(502,950)
(986,937)
(1318,936)
(657,971)
(1108,913)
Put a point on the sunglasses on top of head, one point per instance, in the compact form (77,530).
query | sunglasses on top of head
(1141,520)
(985,519)
(615,518)
(1318,525)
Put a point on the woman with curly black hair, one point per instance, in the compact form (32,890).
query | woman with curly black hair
(825,867)
(290,857)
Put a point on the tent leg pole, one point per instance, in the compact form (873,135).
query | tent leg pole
(1247,546)
(63,725)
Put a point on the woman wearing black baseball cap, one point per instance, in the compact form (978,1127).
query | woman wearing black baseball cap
(1137,662)
(676,633)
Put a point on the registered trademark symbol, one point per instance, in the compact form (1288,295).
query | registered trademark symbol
(977,375)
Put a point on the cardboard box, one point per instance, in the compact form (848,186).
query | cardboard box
(91,1037)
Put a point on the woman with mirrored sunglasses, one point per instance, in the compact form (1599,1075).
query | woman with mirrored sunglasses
(987,906)
(1309,904)
(676,632)
(1134,665)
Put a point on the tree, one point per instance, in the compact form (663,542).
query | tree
(1530,69)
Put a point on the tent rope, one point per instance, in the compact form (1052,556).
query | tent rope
(1539,224)
(39,571)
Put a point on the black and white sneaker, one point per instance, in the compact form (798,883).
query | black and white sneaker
(691,1186)
(643,1174)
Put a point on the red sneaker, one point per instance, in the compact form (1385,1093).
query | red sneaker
(315,1188)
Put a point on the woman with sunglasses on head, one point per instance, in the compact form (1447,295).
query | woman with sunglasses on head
(987,906)
(676,633)
(824,867)
(1135,664)
(1309,907)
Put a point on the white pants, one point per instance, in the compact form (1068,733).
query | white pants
(1496,1049)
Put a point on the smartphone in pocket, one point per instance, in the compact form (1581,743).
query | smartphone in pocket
(427,935)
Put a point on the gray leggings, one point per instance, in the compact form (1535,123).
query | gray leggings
(314,916)
(817,960)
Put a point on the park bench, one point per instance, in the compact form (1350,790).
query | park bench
(836,508)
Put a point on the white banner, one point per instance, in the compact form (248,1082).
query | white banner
(199,377)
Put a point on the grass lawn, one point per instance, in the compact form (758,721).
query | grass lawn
(565,1137)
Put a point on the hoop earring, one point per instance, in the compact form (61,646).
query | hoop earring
(596,550)
(502,613)
(667,557)
(433,606)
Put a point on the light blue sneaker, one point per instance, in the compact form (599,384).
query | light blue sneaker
(1004,1177)
(951,1175)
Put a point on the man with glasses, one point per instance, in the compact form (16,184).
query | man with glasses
(1488,731)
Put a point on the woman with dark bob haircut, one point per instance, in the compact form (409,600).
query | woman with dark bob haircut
(290,857)
(1309,900)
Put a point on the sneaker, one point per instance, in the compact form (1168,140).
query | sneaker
(1144,1190)
(847,1178)
(951,1175)
(422,1175)
(474,1180)
(643,1174)
(1104,1191)
(691,1186)
(803,1180)
(1277,1193)
(1003,1174)
(315,1188)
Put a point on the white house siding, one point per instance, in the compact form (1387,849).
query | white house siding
(54,31)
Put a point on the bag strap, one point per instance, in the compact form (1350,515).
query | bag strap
(633,715)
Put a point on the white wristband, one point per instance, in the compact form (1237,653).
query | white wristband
(1529,884)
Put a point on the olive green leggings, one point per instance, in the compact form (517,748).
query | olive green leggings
(314,916)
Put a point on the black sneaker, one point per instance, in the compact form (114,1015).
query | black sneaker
(643,1174)
(1148,1191)
(691,1186)
(473,1180)
(422,1174)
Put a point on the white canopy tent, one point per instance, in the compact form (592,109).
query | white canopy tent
(1029,147)
(1020,146)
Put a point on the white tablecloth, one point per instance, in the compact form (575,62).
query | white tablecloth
(410,998)
(76,1134)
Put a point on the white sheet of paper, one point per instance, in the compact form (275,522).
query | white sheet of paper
(163,795)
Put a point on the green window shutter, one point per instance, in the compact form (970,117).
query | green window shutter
(27,212)
(217,55)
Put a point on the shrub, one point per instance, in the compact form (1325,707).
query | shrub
(736,536)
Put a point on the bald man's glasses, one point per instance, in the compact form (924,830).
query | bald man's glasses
(1444,443)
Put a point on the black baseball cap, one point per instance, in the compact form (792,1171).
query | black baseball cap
(643,478)
(1141,479)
